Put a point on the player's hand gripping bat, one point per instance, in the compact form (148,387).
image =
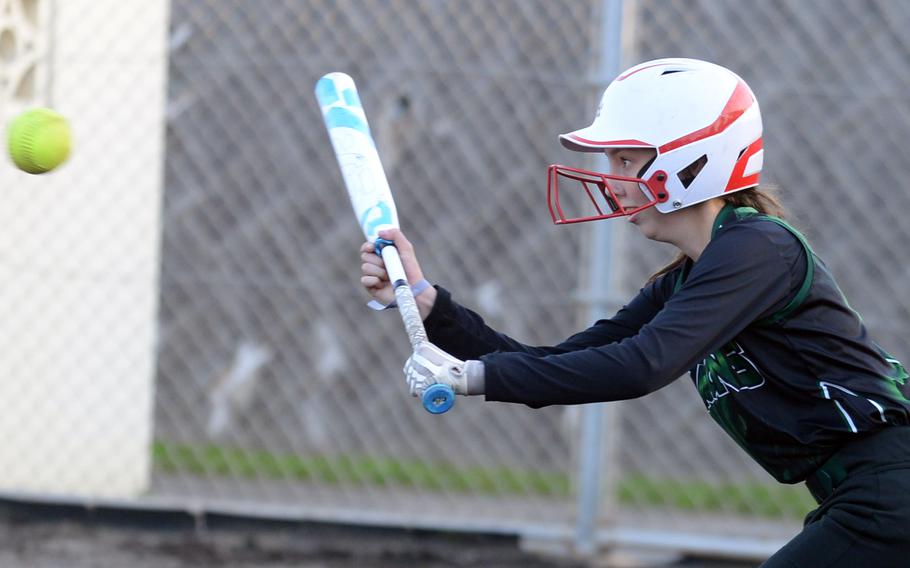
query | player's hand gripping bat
(373,204)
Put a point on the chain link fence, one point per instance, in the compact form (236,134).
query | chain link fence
(277,392)
(273,393)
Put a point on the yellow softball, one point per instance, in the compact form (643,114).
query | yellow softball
(38,140)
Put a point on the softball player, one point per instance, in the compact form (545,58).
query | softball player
(781,361)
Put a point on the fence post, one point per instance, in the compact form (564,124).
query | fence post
(601,274)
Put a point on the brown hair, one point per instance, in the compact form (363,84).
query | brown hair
(762,199)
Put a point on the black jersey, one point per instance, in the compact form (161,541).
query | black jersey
(779,358)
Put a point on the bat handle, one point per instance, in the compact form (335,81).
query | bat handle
(407,305)
(437,398)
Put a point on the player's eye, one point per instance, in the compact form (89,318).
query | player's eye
(625,162)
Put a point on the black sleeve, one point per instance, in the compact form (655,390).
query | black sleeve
(464,334)
(740,277)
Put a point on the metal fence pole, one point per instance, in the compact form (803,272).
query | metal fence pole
(600,276)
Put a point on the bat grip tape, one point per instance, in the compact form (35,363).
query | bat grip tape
(417,288)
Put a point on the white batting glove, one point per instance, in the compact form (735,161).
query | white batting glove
(429,365)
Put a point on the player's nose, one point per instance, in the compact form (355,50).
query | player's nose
(618,188)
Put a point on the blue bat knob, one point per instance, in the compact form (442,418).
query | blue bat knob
(438,398)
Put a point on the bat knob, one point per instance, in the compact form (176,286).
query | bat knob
(438,398)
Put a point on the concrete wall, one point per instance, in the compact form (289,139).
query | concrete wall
(79,247)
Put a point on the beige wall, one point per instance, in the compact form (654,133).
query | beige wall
(79,248)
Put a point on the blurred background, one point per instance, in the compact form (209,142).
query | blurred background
(181,315)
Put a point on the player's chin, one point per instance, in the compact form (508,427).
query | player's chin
(648,223)
(647,227)
(650,235)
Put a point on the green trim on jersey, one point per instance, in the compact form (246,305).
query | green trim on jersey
(729,369)
(743,213)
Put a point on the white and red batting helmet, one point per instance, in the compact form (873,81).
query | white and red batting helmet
(689,111)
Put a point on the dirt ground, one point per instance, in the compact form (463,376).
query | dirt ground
(49,536)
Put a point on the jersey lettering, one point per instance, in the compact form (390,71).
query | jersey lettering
(724,371)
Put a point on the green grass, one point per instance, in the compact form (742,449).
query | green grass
(356,470)
(751,498)
(747,497)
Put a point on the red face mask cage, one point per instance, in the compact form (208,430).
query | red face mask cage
(589,181)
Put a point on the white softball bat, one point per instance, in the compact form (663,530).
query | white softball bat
(371,199)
